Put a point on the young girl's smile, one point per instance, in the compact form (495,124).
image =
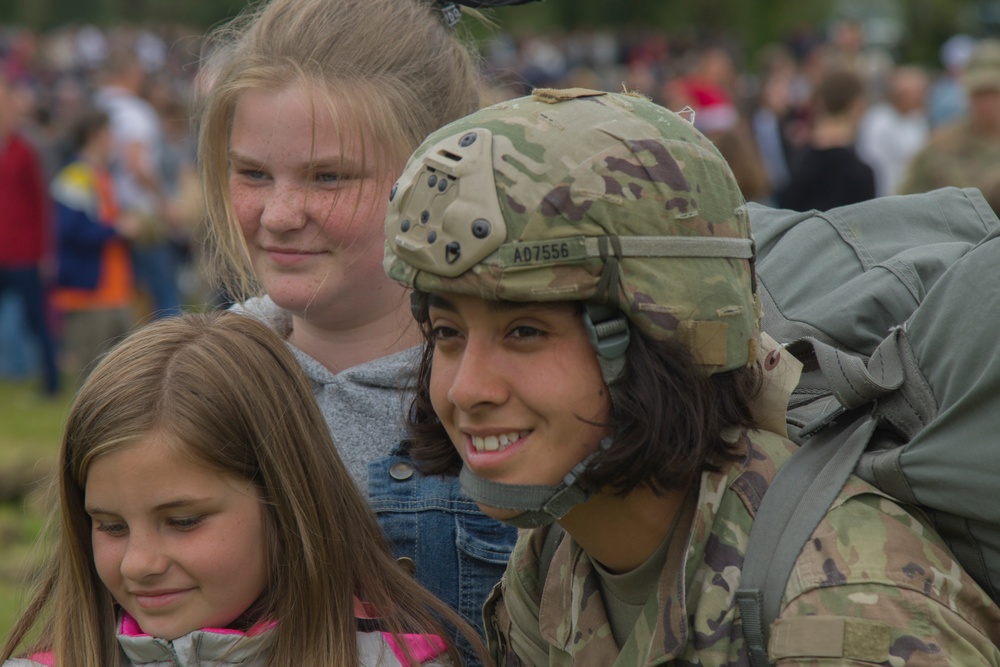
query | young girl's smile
(179,546)
(517,387)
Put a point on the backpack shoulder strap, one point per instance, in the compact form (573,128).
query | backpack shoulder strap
(549,546)
(796,501)
(847,376)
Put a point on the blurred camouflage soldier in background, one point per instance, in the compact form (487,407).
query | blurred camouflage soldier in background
(583,270)
(966,153)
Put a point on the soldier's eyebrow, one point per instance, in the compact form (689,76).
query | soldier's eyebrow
(502,306)
(439,302)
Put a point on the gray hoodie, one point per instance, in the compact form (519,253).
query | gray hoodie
(363,405)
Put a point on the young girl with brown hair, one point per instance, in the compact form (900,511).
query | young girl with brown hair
(205,517)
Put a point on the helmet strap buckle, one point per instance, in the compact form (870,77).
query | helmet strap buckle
(608,330)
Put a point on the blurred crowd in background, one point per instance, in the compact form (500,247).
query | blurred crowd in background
(105,116)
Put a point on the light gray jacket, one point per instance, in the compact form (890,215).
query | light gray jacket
(231,648)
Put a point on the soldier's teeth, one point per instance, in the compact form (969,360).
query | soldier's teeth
(493,443)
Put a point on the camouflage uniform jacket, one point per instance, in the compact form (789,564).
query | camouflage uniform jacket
(873,586)
(957,155)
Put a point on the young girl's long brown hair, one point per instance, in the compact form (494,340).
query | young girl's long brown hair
(231,392)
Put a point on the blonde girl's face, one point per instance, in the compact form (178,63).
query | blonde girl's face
(179,546)
(310,196)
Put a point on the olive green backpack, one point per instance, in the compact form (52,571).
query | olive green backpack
(893,306)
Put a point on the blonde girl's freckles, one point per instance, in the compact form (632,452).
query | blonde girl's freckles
(308,195)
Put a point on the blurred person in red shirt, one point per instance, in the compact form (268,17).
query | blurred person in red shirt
(25,229)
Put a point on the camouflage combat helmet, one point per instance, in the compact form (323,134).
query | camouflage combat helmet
(579,195)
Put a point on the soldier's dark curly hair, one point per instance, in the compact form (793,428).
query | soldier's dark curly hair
(670,418)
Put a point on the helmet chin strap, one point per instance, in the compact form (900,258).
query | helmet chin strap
(542,504)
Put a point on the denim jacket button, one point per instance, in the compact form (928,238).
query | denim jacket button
(401,471)
(408,565)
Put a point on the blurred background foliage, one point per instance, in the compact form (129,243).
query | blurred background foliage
(912,29)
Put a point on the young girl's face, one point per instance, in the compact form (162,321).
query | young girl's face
(517,387)
(311,204)
(179,546)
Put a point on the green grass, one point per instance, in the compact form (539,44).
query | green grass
(30,430)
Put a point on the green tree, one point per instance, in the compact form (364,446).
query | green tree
(753,23)
(203,13)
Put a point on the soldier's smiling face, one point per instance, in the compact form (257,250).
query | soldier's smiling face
(517,387)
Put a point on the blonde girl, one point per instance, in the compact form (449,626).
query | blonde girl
(310,111)
(206,518)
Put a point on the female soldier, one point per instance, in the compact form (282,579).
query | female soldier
(583,267)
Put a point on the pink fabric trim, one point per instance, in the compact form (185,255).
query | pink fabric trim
(422,647)
(47,658)
(130,628)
